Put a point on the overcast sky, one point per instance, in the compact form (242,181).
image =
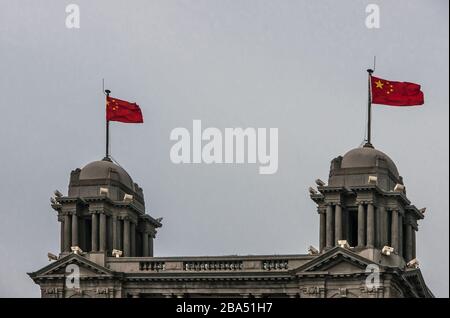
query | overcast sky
(298,66)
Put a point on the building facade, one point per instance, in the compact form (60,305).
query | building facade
(367,242)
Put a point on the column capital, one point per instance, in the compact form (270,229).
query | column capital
(68,212)
(124,218)
(408,219)
(365,202)
(333,203)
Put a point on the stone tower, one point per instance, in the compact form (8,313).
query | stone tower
(365,204)
(103,212)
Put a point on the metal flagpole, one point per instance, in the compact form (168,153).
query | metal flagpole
(107,91)
(369,112)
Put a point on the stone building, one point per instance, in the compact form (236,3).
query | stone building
(367,242)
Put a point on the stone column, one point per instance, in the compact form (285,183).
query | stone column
(338,223)
(413,243)
(114,233)
(330,234)
(394,230)
(383,226)
(126,237)
(133,239)
(377,226)
(120,234)
(150,245)
(323,233)
(109,238)
(67,234)
(144,244)
(74,229)
(408,242)
(361,225)
(400,235)
(102,241)
(61,236)
(370,225)
(94,233)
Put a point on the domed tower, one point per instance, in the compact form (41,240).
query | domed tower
(365,204)
(104,213)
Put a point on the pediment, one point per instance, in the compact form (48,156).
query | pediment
(417,283)
(336,261)
(62,267)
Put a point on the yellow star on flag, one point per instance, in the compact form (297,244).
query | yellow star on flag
(379,84)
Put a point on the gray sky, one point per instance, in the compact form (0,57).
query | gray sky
(295,65)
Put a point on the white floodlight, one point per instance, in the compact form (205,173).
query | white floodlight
(116,253)
(312,250)
(76,249)
(399,188)
(320,183)
(58,193)
(127,197)
(414,263)
(343,244)
(373,179)
(387,250)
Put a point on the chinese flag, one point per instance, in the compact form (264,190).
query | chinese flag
(395,93)
(123,111)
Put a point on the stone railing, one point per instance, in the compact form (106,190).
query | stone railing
(275,264)
(213,265)
(199,264)
(152,266)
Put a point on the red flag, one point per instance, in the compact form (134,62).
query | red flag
(123,111)
(395,93)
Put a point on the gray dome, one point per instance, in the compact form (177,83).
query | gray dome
(365,157)
(105,169)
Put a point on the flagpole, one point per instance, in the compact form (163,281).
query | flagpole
(369,111)
(107,91)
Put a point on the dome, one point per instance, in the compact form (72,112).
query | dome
(105,169)
(365,157)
